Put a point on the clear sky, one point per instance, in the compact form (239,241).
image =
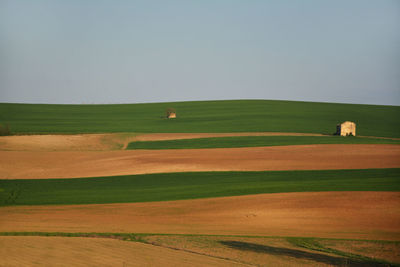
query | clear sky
(94,51)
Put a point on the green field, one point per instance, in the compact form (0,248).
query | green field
(254,141)
(202,116)
(175,186)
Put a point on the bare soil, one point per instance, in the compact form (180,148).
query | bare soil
(74,164)
(79,251)
(354,215)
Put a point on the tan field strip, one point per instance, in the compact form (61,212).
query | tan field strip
(106,142)
(78,251)
(363,215)
(73,164)
(73,142)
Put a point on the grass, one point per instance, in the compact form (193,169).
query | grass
(177,186)
(315,245)
(254,141)
(202,116)
(4,130)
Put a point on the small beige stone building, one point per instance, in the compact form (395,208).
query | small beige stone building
(346,128)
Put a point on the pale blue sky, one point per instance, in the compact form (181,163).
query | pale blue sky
(93,51)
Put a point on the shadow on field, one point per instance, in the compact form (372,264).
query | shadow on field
(299,254)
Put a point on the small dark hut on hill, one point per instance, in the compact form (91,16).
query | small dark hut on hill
(171,113)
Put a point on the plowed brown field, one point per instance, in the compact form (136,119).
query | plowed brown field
(73,164)
(364,215)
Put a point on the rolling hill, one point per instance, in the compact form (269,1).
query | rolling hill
(201,116)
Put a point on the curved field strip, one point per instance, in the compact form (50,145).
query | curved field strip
(254,141)
(75,164)
(352,215)
(107,141)
(120,141)
(80,251)
(176,186)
